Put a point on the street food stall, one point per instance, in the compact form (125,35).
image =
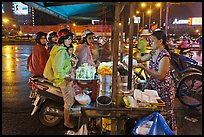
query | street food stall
(114,98)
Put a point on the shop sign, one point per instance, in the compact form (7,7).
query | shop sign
(190,21)
(176,21)
(136,20)
(196,21)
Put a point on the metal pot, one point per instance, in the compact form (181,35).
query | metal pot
(103,102)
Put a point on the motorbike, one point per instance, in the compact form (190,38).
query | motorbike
(46,99)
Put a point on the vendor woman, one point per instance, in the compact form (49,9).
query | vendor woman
(159,71)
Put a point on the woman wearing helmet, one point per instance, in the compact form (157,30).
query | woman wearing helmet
(64,32)
(105,53)
(84,51)
(38,58)
(57,70)
(52,39)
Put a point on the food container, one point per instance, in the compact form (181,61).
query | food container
(103,102)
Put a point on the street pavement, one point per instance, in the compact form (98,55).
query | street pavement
(16,107)
(186,127)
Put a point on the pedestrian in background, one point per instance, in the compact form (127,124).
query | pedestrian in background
(143,42)
(184,43)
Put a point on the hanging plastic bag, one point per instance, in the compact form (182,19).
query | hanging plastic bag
(156,127)
(82,131)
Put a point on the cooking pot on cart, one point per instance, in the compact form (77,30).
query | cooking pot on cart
(103,102)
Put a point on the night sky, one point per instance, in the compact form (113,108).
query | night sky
(184,11)
(180,11)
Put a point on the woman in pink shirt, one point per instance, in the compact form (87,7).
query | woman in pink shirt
(84,51)
(184,43)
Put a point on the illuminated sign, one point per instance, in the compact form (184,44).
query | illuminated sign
(95,21)
(19,8)
(196,21)
(136,20)
(190,21)
(176,21)
(3,8)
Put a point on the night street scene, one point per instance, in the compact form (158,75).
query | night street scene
(102,68)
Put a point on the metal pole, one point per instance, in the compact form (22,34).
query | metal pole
(131,31)
(160,17)
(143,19)
(150,16)
(167,13)
(121,38)
(138,28)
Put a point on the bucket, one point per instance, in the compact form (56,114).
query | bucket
(141,84)
(105,93)
(124,83)
(106,79)
(106,87)
(103,102)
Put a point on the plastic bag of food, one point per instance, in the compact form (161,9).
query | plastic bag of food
(158,126)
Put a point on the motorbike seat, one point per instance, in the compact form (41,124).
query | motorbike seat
(45,82)
(51,86)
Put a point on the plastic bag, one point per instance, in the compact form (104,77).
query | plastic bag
(82,131)
(157,127)
(126,60)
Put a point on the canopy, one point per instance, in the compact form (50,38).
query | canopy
(73,10)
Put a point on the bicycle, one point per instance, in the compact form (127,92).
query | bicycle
(182,65)
(189,90)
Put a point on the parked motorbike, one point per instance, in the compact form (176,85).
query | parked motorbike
(47,99)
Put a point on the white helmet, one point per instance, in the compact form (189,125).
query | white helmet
(85,33)
(50,35)
(102,40)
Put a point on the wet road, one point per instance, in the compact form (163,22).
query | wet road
(16,106)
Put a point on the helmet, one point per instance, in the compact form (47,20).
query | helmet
(146,32)
(64,32)
(51,34)
(39,35)
(102,40)
(85,33)
(62,38)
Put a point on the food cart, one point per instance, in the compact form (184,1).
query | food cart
(116,112)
